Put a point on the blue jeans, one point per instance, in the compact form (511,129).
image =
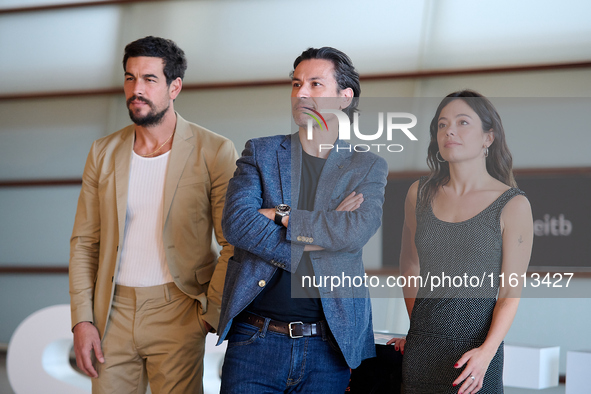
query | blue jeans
(259,361)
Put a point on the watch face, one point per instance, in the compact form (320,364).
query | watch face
(283,208)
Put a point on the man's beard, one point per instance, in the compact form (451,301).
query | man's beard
(299,118)
(153,118)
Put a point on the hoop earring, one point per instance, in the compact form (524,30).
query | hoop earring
(486,152)
(437,156)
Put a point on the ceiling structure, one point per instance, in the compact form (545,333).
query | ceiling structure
(76,46)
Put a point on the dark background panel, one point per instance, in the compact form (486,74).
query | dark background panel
(393,219)
(561,207)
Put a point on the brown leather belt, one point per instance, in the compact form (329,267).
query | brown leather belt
(295,329)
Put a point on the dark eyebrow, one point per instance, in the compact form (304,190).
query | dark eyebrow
(457,116)
(143,76)
(310,79)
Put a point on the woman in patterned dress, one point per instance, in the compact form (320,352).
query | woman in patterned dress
(467,221)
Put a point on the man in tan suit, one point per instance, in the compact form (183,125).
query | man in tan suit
(145,279)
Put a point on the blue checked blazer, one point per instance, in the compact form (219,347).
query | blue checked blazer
(268,174)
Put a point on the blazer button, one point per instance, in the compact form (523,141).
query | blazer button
(299,238)
(311,240)
(262,283)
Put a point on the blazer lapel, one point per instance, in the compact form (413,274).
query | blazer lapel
(336,163)
(181,149)
(122,157)
(292,168)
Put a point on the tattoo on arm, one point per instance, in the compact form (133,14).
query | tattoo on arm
(520,240)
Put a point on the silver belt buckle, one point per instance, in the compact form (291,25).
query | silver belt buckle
(291,329)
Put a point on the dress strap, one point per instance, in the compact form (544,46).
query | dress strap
(504,198)
(422,181)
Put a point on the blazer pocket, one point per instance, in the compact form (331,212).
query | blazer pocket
(192,180)
(204,274)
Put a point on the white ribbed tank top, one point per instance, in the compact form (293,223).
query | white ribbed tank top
(143,261)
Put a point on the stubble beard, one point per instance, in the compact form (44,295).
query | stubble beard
(153,118)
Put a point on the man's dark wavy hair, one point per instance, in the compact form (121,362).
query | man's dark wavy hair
(344,72)
(173,57)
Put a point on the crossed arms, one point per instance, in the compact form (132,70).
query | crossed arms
(249,211)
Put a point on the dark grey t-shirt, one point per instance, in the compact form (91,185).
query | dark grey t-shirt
(275,300)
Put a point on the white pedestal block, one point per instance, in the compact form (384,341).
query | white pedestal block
(578,372)
(531,367)
(212,364)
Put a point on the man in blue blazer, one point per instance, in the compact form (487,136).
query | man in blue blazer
(299,210)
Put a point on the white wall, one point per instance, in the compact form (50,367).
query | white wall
(257,40)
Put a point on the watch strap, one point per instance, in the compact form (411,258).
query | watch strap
(278,219)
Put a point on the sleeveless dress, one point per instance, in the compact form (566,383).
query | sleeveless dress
(449,320)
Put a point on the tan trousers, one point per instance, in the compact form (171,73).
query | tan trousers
(154,334)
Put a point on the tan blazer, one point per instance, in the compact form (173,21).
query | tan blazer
(201,164)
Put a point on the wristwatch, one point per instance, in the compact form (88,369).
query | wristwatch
(281,211)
